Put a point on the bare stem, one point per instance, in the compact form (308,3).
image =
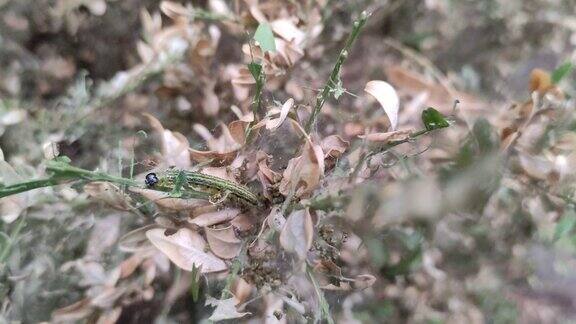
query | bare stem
(333,79)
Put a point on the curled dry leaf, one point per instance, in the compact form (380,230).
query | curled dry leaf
(267,177)
(273,123)
(225,309)
(186,249)
(297,233)
(223,242)
(217,217)
(108,193)
(387,97)
(174,146)
(303,173)
(223,149)
(394,136)
(286,29)
(334,146)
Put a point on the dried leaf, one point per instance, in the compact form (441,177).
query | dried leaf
(286,29)
(186,249)
(274,123)
(387,97)
(303,173)
(223,242)
(334,146)
(225,309)
(174,145)
(217,217)
(297,233)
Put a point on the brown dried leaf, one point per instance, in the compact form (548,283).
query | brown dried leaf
(223,242)
(222,149)
(186,249)
(334,146)
(303,173)
(540,81)
(297,233)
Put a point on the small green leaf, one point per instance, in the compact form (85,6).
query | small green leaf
(561,72)
(196,282)
(433,119)
(265,38)
(256,71)
(565,225)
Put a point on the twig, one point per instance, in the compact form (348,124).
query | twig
(333,79)
(385,148)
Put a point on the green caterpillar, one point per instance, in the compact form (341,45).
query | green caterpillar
(218,188)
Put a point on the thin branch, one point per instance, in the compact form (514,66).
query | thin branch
(333,79)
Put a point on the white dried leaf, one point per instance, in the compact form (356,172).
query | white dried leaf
(274,123)
(225,309)
(387,97)
(213,218)
(186,249)
(297,233)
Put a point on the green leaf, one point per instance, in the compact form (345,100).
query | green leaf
(433,119)
(265,38)
(561,72)
(256,71)
(565,225)
(196,282)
